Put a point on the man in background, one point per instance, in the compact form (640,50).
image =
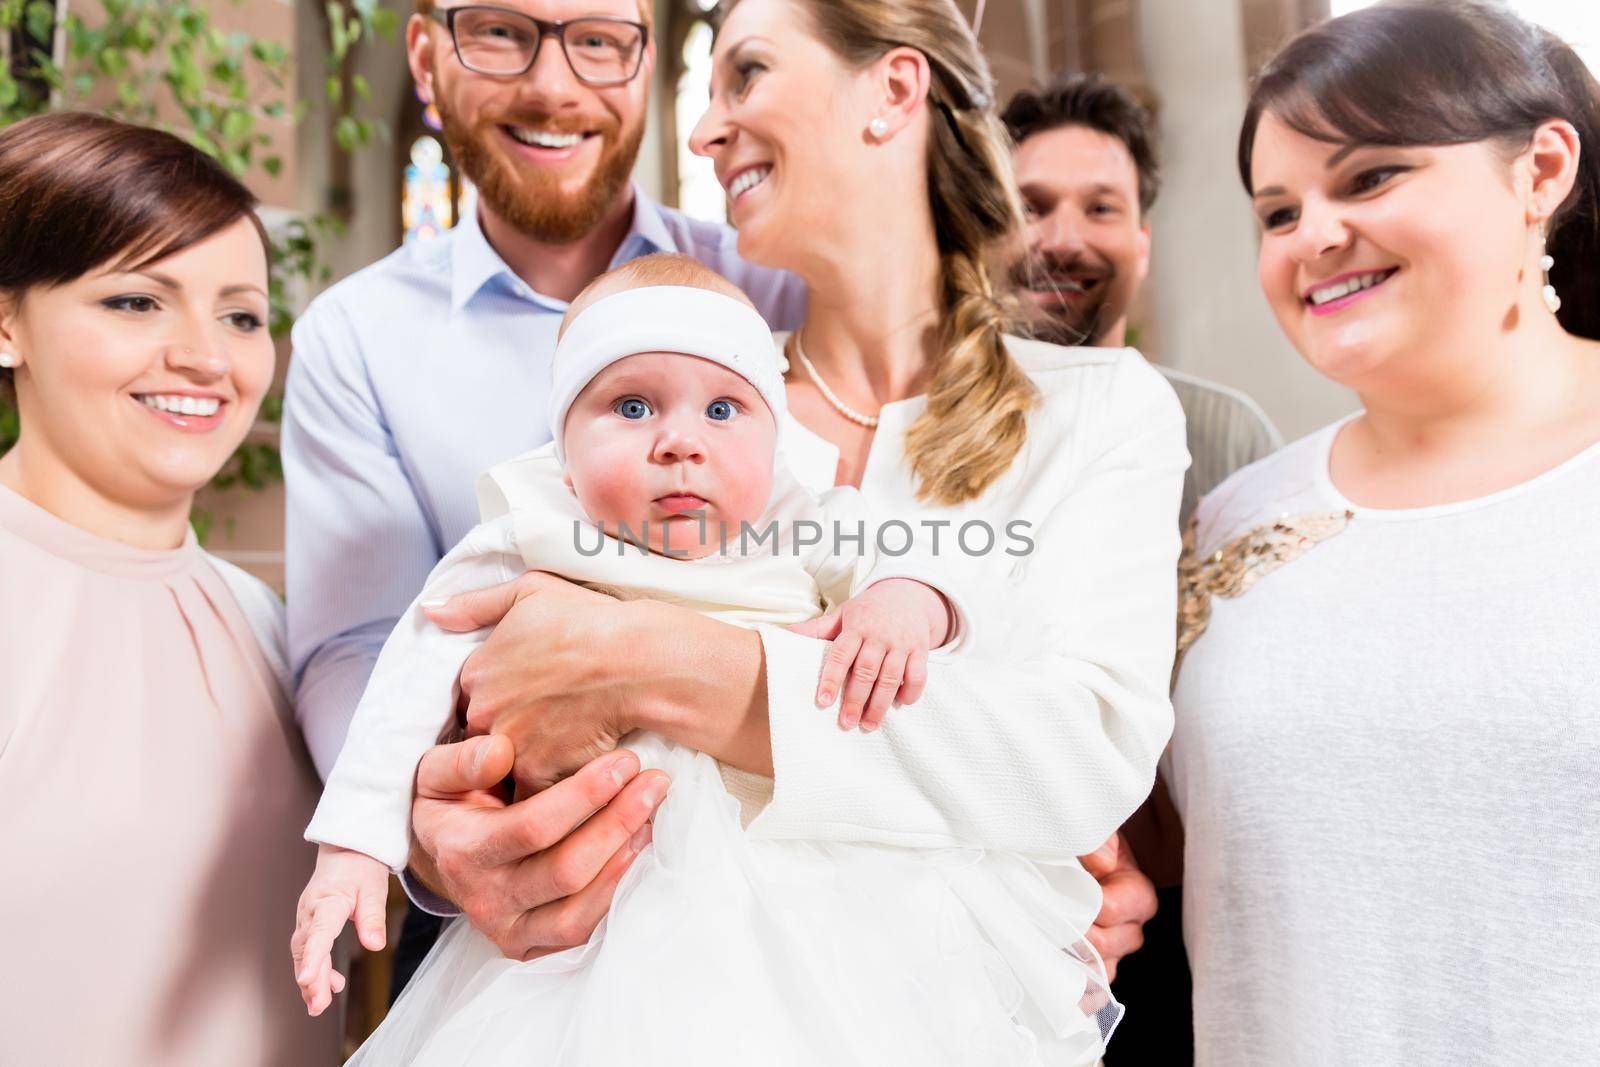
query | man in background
(1086,165)
(1085,162)
(416,373)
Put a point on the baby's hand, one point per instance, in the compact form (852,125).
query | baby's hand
(880,639)
(345,883)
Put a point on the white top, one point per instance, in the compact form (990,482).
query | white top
(1387,760)
(1043,736)
(532,521)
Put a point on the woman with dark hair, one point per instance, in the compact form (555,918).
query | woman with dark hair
(1388,706)
(149,894)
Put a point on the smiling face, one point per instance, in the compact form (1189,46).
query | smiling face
(786,130)
(1088,247)
(548,153)
(138,385)
(675,439)
(1381,262)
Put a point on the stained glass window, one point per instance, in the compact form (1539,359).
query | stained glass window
(426,206)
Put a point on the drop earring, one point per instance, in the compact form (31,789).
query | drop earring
(877,127)
(7,360)
(430,111)
(1551,299)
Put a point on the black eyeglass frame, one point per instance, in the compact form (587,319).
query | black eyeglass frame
(446,17)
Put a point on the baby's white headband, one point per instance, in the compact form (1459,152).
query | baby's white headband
(663,318)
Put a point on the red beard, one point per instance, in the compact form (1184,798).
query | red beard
(531,198)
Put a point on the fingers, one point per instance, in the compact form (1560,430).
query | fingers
(916,677)
(478,763)
(329,984)
(890,676)
(1128,901)
(317,991)
(573,861)
(835,664)
(858,687)
(539,822)
(823,627)
(466,612)
(571,921)
(1127,897)
(312,949)
(1114,943)
(371,923)
(1103,860)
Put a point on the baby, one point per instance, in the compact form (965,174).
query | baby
(662,481)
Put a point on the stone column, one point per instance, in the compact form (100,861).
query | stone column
(1211,319)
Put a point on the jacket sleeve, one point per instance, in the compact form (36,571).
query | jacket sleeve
(366,805)
(1044,748)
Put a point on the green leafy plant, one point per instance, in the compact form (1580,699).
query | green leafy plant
(165,63)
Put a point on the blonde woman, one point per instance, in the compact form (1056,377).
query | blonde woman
(860,146)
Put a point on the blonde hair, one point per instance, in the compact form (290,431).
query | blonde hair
(662,268)
(979,399)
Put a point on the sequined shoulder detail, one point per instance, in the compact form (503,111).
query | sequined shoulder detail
(1237,566)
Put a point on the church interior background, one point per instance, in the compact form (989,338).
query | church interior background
(1188,60)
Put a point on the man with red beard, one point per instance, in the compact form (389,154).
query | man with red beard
(415,374)
(1086,166)
(418,372)
(1085,162)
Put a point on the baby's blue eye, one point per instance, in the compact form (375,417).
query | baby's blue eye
(720,410)
(632,408)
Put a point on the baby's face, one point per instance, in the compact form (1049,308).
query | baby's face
(675,439)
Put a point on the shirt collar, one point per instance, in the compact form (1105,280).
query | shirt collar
(649,232)
(474,262)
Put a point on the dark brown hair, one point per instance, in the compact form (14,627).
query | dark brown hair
(1090,100)
(78,191)
(1443,72)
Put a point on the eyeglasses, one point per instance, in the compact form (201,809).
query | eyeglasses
(601,50)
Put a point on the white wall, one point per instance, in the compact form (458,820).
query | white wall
(1211,319)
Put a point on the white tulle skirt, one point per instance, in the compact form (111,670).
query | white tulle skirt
(721,949)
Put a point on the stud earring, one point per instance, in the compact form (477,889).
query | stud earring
(877,127)
(1551,299)
(7,359)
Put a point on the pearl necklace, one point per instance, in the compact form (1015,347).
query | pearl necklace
(869,421)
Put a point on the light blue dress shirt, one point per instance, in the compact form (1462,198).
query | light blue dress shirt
(408,379)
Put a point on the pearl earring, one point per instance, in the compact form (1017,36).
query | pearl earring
(878,127)
(7,359)
(1546,261)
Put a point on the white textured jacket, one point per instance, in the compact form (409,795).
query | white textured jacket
(1041,734)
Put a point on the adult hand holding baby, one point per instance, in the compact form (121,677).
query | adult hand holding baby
(568,672)
(542,680)
(536,876)
(533,875)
